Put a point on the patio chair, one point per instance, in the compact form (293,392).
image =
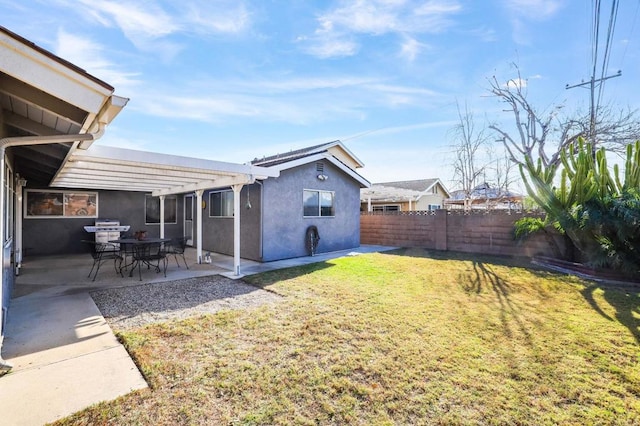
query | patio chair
(177,248)
(126,251)
(102,252)
(150,254)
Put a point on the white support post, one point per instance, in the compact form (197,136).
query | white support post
(199,193)
(410,204)
(236,228)
(162,216)
(369,204)
(20,184)
(4,365)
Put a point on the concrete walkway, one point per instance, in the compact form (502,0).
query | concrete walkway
(65,356)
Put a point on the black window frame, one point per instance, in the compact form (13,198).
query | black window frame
(170,217)
(322,210)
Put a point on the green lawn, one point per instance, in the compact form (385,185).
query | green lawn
(408,337)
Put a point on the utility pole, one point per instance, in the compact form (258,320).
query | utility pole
(592,109)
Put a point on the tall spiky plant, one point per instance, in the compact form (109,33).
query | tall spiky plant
(598,213)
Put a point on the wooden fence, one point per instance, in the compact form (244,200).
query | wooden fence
(489,232)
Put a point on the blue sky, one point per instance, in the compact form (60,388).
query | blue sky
(232,80)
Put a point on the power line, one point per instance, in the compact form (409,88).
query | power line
(607,53)
(598,82)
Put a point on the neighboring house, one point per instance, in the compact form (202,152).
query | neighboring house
(485,197)
(316,186)
(410,195)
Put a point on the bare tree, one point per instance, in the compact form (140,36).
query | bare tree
(532,128)
(503,172)
(542,136)
(468,142)
(614,129)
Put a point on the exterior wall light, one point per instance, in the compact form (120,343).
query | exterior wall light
(323,177)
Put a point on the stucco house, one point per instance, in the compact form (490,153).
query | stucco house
(55,181)
(410,195)
(316,186)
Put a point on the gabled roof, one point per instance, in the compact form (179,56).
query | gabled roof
(334,152)
(336,148)
(394,191)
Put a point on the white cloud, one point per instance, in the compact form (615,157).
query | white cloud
(224,107)
(304,84)
(136,20)
(408,90)
(339,28)
(411,48)
(410,127)
(535,9)
(148,24)
(485,34)
(524,11)
(329,48)
(516,83)
(362,16)
(88,55)
(296,101)
(222,16)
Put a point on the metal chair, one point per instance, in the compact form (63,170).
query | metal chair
(150,254)
(101,252)
(177,248)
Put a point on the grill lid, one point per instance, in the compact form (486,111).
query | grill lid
(113,228)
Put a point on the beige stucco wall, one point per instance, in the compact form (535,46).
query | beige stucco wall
(425,200)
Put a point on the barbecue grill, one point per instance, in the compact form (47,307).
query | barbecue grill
(107,230)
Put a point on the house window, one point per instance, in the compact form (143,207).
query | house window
(61,204)
(221,204)
(433,207)
(152,209)
(318,203)
(386,208)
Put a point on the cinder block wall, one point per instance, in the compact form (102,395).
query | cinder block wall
(478,232)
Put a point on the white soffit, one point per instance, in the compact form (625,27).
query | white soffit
(101,167)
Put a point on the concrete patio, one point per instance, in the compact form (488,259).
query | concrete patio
(65,356)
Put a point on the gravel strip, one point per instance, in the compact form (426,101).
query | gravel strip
(129,307)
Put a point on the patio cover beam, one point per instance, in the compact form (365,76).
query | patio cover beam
(119,169)
(101,167)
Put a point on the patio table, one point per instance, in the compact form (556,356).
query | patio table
(145,251)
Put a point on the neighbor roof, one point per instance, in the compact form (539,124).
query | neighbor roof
(420,185)
(403,188)
(484,192)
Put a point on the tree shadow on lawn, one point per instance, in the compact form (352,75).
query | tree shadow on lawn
(623,297)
